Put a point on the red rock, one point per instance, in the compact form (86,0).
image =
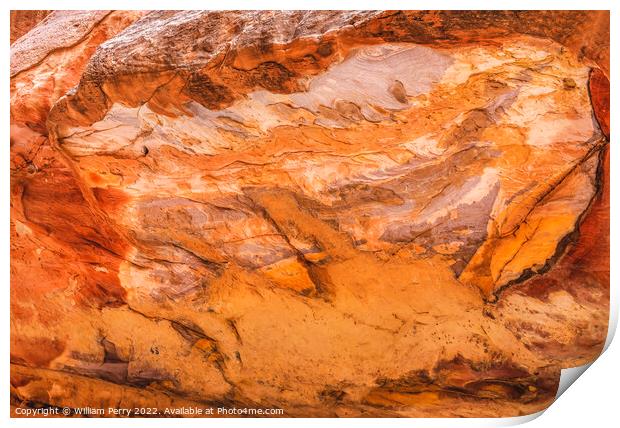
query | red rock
(22,21)
(599,93)
(335,213)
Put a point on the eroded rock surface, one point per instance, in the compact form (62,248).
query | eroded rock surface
(334,213)
(22,21)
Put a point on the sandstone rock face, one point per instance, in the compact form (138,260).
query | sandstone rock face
(22,21)
(332,213)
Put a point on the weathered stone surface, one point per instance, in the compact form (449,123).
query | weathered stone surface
(335,213)
(23,21)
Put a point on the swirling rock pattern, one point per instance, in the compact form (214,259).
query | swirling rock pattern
(334,213)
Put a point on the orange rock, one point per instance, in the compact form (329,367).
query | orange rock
(336,213)
(22,21)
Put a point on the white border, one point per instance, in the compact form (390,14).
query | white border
(561,414)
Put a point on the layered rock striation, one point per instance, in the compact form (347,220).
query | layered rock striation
(333,213)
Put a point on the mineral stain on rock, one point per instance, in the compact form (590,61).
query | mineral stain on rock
(336,213)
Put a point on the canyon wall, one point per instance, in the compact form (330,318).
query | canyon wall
(337,213)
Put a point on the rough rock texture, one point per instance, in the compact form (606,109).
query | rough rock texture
(333,213)
(22,21)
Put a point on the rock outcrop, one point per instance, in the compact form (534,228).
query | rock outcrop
(22,21)
(332,213)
